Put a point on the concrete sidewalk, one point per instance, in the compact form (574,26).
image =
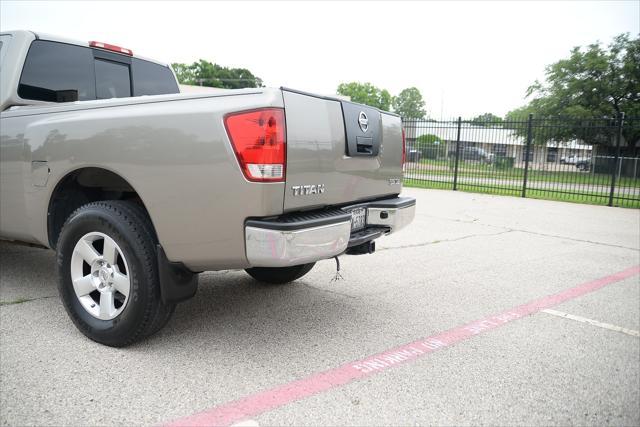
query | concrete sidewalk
(466,256)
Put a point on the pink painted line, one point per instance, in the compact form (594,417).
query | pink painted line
(281,395)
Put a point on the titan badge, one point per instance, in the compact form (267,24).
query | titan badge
(307,190)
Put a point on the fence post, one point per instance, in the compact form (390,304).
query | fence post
(526,155)
(455,167)
(617,157)
(620,168)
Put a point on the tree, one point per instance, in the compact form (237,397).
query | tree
(486,119)
(205,73)
(593,82)
(366,93)
(428,139)
(409,104)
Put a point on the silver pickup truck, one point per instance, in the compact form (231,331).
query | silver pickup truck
(138,187)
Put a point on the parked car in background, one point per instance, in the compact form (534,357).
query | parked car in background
(413,155)
(474,154)
(583,164)
(573,159)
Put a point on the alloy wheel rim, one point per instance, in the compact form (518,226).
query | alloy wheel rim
(100,276)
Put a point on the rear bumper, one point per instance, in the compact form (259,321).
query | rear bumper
(295,239)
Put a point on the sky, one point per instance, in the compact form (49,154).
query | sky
(466,58)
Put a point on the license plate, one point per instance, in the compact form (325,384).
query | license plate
(358,218)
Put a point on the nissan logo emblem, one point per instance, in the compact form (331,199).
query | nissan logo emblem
(363,121)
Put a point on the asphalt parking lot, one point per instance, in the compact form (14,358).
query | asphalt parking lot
(486,310)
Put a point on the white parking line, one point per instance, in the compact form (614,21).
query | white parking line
(246,423)
(609,326)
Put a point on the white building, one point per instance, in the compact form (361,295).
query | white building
(501,142)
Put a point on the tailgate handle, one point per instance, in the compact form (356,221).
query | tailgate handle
(364,144)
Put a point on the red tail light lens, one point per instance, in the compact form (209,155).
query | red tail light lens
(111,47)
(404,148)
(259,141)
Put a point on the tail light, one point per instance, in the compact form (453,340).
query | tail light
(111,47)
(404,148)
(259,141)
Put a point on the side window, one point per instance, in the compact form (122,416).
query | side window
(56,72)
(152,79)
(112,79)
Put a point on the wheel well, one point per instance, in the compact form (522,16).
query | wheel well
(84,186)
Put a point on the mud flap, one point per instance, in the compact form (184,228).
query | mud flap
(177,283)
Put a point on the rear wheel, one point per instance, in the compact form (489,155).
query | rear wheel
(279,275)
(108,273)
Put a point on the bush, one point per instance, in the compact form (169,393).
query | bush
(430,151)
(430,146)
(502,162)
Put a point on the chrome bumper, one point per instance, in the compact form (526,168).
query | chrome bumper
(311,237)
(394,217)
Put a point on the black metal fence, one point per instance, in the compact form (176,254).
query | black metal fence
(580,160)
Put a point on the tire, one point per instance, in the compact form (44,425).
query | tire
(581,167)
(124,304)
(279,275)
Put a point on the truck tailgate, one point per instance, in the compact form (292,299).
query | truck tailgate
(339,152)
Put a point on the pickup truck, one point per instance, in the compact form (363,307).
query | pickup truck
(573,159)
(138,188)
(581,163)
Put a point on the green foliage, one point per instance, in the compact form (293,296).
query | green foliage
(592,82)
(486,119)
(430,146)
(409,104)
(503,163)
(517,120)
(205,73)
(366,93)
(427,139)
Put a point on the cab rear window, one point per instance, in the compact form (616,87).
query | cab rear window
(152,79)
(60,72)
(52,70)
(113,79)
